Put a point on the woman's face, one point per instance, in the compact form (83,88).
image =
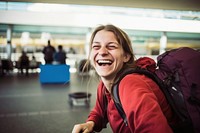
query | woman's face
(107,55)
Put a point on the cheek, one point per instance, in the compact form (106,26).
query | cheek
(119,60)
(121,57)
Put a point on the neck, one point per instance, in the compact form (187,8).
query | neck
(108,84)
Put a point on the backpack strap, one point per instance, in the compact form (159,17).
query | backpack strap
(115,92)
(118,104)
(116,88)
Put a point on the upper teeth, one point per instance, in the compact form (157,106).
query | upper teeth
(104,61)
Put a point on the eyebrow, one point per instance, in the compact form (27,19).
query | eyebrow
(95,42)
(115,42)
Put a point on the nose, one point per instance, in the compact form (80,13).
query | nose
(103,51)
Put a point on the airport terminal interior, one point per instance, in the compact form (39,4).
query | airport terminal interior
(38,102)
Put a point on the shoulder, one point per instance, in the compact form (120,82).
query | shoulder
(134,78)
(138,89)
(137,82)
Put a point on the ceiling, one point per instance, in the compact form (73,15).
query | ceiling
(184,5)
(188,5)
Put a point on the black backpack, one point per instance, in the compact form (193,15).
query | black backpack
(178,76)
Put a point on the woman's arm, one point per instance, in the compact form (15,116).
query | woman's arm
(99,113)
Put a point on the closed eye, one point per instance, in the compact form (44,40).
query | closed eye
(112,46)
(96,46)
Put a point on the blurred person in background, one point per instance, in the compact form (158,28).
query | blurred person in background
(60,55)
(71,51)
(48,52)
(34,64)
(23,62)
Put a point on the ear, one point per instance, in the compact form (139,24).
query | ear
(126,57)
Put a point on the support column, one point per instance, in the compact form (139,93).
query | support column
(163,43)
(87,45)
(9,44)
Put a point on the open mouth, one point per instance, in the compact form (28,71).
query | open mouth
(104,62)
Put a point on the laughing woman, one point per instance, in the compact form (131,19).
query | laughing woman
(143,102)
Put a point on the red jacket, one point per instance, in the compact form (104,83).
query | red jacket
(143,102)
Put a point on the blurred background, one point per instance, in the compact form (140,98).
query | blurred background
(26,105)
(153,26)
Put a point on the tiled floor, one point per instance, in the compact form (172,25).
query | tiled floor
(26,106)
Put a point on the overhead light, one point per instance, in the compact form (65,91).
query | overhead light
(25,38)
(43,7)
(45,37)
(163,43)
